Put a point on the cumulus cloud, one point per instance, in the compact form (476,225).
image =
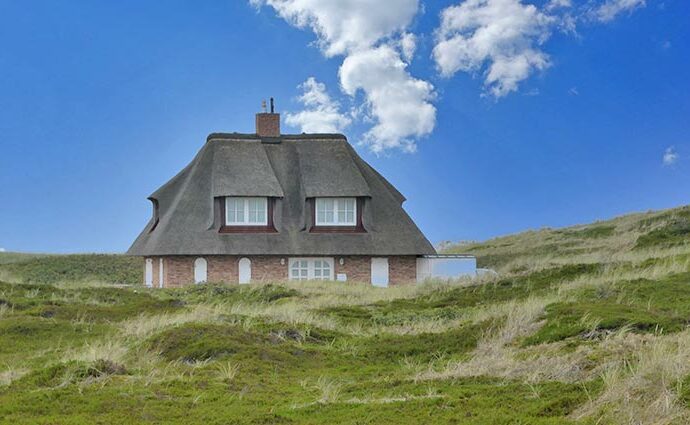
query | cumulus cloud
(372,37)
(2,249)
(610,9)
(343,26)
(408,45)
(670,156)
(399,103)
(499,37)
(321,114)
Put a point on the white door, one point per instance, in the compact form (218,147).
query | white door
(200,268)
(148,273)
(245,270)
(379,272)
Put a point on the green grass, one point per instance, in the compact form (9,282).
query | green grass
(642,305)
(674,231)
(96,268)
(76,349)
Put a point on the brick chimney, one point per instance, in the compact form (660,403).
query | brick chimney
(268,123)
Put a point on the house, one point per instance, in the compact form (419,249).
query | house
(274,207)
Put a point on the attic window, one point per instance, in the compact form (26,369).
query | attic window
(336,212)
(336,215)
(245,211)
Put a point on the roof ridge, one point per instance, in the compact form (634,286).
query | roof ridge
(253,136)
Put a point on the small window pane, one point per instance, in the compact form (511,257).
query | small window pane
(240,212)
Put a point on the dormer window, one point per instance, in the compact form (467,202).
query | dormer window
(245,211)
(336,212)
(245,214)
(337,215)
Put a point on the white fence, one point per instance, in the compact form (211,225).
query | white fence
(450,266)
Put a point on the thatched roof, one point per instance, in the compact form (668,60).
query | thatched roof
(291,168)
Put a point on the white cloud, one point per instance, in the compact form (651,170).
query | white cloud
(399,102)
(610,9)
(573,91)
(670,156)
(2,249)
(558,4)
(321,114)
(408,45)
(500,37)
(371,35)
(343,26)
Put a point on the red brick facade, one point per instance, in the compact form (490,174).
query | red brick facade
(268,125)
(179,270)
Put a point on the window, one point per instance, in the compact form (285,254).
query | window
(336,212)
(322,270)
(246,211)
(311,269)
(299,269)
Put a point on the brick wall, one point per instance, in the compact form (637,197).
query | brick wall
(357,268)
(268,125)
(179,270)
(221,268)
(402,270)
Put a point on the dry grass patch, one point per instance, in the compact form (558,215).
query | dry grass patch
(146,325)
(644,389)
(114,350)
(227,371)
(11,374)
(495,355)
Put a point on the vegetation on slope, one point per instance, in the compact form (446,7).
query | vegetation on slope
(76,268)
(587,324)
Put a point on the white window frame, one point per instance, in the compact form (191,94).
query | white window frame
(311,269)
(245,200)
(338,205)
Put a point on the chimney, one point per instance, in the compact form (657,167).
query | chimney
(267,123)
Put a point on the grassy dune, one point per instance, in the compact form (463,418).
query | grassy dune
(70,269)
(584,325)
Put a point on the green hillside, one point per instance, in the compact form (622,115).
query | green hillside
(70,269)
(583,325)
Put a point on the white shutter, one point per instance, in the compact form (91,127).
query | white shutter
(379,272)
(245,270)
(200,270)
(148,273)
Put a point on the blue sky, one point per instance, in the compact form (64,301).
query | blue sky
(507,115)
